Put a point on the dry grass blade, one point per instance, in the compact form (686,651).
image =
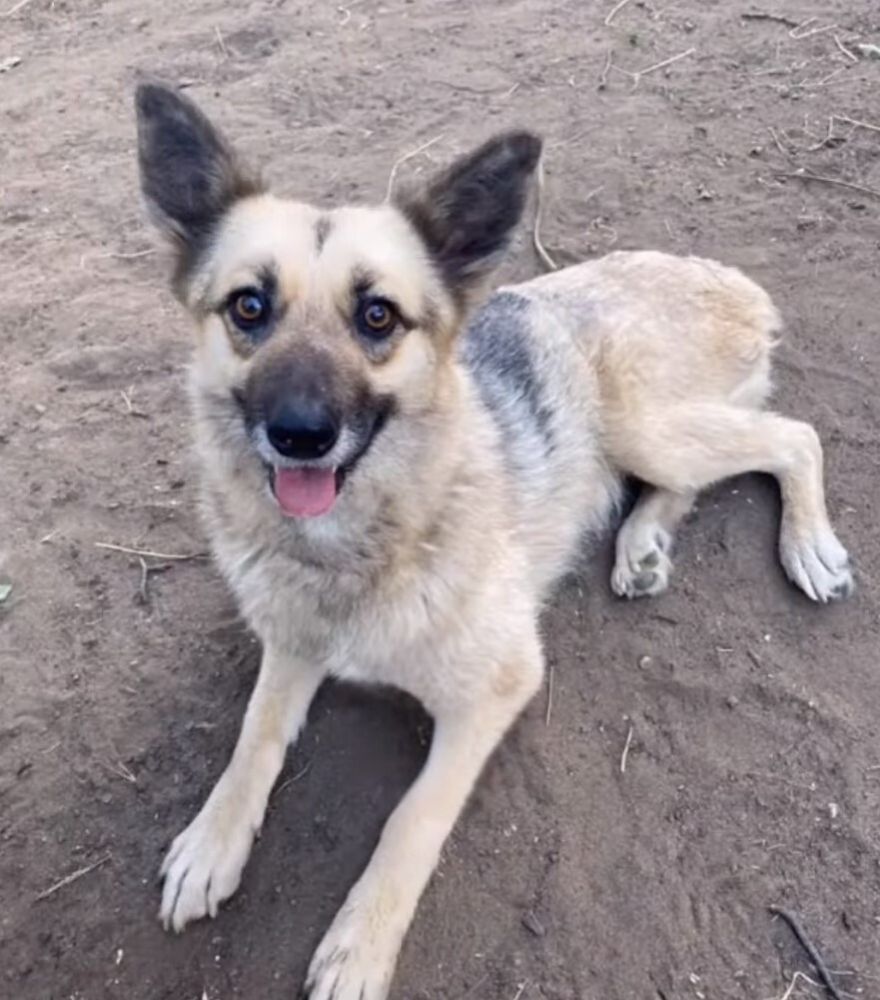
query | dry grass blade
(791,986)
(849,55)
(636,76)
(804,29)
(113,255)
(666,62)
(625,754)
(221,43)
(775,136)
(549,696)
(615,10)
(540,249)
(72,877)
(121,771)
(603,77)
(407,156)
(15,8)
(293,779)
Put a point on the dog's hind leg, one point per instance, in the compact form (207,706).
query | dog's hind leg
(356,958)
(690,445)
(204,864)
(644,542)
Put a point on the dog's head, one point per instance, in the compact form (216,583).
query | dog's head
(319,331)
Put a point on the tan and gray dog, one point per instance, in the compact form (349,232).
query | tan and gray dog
(393,481)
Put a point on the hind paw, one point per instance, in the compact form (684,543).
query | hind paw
(643,565)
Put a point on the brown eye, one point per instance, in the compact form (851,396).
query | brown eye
(376,318)
(248,309)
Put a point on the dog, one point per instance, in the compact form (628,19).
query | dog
(396,468)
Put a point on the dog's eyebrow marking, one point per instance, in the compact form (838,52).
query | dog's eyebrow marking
(362,280)
(267,277)
(322,231)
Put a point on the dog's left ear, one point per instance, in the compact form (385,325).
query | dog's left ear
(467,214)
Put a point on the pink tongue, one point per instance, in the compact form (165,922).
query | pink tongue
(305,492)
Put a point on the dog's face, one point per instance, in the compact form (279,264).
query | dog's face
(320,330)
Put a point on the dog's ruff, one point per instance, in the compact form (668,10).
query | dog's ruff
(472,452)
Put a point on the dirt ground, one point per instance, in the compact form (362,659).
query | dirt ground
(753,774)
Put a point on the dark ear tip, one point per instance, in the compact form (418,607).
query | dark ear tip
(525,147)
(152,98)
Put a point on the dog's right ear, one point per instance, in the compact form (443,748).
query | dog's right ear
(189,173)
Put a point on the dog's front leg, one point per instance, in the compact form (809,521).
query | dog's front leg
(356,959)
(204,864)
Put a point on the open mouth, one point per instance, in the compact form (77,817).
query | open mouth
(306,491)
(310,491)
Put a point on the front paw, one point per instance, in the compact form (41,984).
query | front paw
(204,864)
(355,960)
(816,562)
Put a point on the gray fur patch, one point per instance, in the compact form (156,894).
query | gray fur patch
(497,349)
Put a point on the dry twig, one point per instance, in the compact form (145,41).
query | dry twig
(809,948)
(549,696)
(143,593)
(149,554)
(72,877)
(857,123)
(825,139)
(761,16)
(803,175)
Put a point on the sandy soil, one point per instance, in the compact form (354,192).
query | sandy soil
(753,775)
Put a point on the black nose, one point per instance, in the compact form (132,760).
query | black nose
(302,430)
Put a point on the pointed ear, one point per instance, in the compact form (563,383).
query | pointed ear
(189,173)
(467,214)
